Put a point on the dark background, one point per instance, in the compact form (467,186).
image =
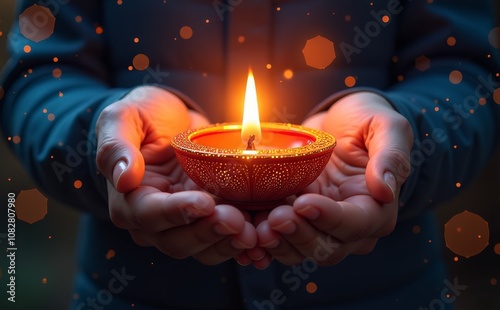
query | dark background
(46,248)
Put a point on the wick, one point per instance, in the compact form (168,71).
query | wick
(250,144)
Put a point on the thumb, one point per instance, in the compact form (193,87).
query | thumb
(389,156)
(118,141)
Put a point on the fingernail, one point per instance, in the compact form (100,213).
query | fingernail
(288,227)
(309,212)
(223,229)
(120,167)
(390,180)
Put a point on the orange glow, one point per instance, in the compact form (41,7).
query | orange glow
(350,81)
(311,287)
(186,32)
(99,30)
(451,41)
(288,74)
(466,234)
(456,77)
(77,184)
(319,52)
(496,96)
(31,206)
(422,63)
(110,254)
(385,19)
(140,62)
(27,49)
(57,73)
(251,119)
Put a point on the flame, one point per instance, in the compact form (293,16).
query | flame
(251,121)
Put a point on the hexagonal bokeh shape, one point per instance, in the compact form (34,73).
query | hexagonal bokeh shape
(466,234)
(319,52)
(37,23)
(31,206)
(422,63)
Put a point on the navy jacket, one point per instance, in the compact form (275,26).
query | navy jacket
(433,60)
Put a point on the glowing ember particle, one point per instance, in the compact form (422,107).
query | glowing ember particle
(385,19)
(311,287)
(140,62)
(130,68)
(451,41)
(55,59)
(493,281)
(496,249)
(400,78)
(269,66)
(241,39)
(36,23)
(436,109)
(110,254)
(136,40)
(16,139)
(422,63)
(31,206)
(44,280)
(207,21)
(455,258)
(27,49)
(347,18)
(496,95)
(458,184)
(51,117)
(57,73)
(319,52)
(278,9)
(60,94)
(119,2)
(99,30)
(416,229)
(288,74)
(350,81)
(77,184)
(494,37)
(78,19)
(465,242)
(482,101)
(186,32)
(456,77)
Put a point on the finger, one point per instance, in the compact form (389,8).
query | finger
(150,210)
(188,240)
(228,247)
(347,221)
(118,157)
(389,150)
(276,246)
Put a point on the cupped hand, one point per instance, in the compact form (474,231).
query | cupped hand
(354,201)
(148,192)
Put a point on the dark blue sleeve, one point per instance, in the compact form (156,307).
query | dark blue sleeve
(448,89)
(52,95)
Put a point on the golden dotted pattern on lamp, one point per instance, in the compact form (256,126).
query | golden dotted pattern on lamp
(282,178)
(219,175)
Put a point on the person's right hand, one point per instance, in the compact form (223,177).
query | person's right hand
(148,192)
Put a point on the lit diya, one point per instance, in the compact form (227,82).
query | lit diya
(253,165)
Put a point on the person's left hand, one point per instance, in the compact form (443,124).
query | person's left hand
(354,201)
